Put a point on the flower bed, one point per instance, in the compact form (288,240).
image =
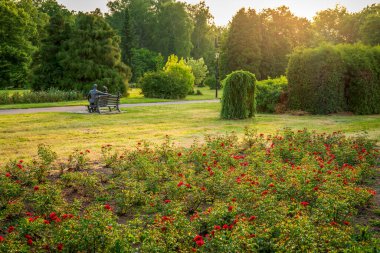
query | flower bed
(294,191)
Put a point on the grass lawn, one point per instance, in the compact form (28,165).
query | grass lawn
(135,97)
(21,134)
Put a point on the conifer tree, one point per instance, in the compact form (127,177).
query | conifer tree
(92,55)
(242,48)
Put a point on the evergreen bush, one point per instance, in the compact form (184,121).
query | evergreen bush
(269,93)
(238,100)
(315,80)
(362,78)
(330,79)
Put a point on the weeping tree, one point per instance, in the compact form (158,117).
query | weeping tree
(238,100)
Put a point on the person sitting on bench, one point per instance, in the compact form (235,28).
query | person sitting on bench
(93,95)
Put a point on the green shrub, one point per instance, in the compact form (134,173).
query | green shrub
(238,100)
(51,95)
(330,79)
(269,93)
(315,80)
(175,82)
(144,60)
(362,78)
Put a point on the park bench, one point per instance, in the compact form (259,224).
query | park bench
(105,101)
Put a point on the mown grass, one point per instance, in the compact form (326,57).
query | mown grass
(135,97)
(21,134)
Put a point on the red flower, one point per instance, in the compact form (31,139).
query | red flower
(1,238)
(46,222)
(217,227)
(305,203)
(180,184)
(21,161)
(225,226)
(30,242)
(188,185)
(200,242)
(179,154)
(36,188)
(333,223)
(8,174)
(252,218)
(197,238)
(167,201)
(230,208)
(53,216)
(65,216)
(60,246)
(19,166)
(88,151)
(108,207)
(271,185)
(28,237)
(346,223)
(203,188)
(316,188)
(10,229)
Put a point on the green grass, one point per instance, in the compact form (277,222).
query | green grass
(21,134)
(135,97)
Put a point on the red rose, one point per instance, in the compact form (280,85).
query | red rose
(60,246)
(217,227)
(108,207)
(167,201)
(46,222)
(180,184)
(10,229)
(30,242)
(8,174)
(36,188)
(230,208)
(200,242)
(225,226)
(197,238)
(1,238)
(305,203)
(252,218)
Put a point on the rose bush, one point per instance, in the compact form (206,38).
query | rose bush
(292,191)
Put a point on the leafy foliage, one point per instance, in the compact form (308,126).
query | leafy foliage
(16,31)
(144,60)
(269,92)
(362,78)
(92,55)
(50,95)
(316,80)
(330,79)
(238,100)
(175,81)
(199,69)
(291,190)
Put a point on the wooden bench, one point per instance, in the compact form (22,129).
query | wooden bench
(105,101)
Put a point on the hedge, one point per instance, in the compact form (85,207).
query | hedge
(269,93)
(331,79)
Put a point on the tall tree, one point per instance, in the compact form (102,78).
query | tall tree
(92,55)
(47,70)
(242,49)
(370,30)
(282,32)
(173,29)
(202,36)
(16,27)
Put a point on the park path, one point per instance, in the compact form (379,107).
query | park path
(82,109)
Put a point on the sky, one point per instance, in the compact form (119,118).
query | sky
(224,10)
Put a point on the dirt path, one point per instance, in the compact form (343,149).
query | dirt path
(83,109)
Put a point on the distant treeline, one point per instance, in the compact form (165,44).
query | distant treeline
(44,45)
